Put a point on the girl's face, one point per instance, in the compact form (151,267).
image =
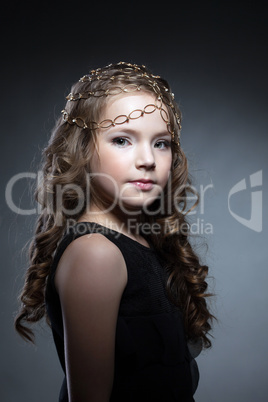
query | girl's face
(133,162)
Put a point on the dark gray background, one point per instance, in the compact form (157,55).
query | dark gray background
(214,54)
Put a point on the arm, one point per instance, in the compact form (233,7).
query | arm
(90,279)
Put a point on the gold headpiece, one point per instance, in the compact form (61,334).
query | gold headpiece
(121,119)
(131,71)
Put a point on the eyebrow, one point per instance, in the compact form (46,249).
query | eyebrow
(120,129)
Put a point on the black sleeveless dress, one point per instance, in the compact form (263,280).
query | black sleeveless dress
(152,359)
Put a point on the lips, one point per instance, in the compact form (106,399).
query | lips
(143,184)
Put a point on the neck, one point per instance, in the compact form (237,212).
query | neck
(125,223)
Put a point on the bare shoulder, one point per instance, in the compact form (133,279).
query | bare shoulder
(93,245)
(90,257)
(90,280)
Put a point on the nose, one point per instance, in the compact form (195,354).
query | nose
(145,158)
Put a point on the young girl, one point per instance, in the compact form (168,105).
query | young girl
(111,266)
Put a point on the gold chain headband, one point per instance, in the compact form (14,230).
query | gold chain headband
(121,119)
(104,92)
(131,71)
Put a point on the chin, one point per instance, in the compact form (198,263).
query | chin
(136,205)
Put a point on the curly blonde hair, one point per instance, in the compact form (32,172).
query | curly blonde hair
(66,160)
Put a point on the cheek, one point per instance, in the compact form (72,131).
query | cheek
(166,164)
(166,174)
(101,161)
(110,171)
(116,163)
(112,166)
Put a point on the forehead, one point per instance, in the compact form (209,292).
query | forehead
(128,107)
(123,102)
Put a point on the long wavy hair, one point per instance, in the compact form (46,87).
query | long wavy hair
(65,170)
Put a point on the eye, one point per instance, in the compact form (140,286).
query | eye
(120,141)
(162,144)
